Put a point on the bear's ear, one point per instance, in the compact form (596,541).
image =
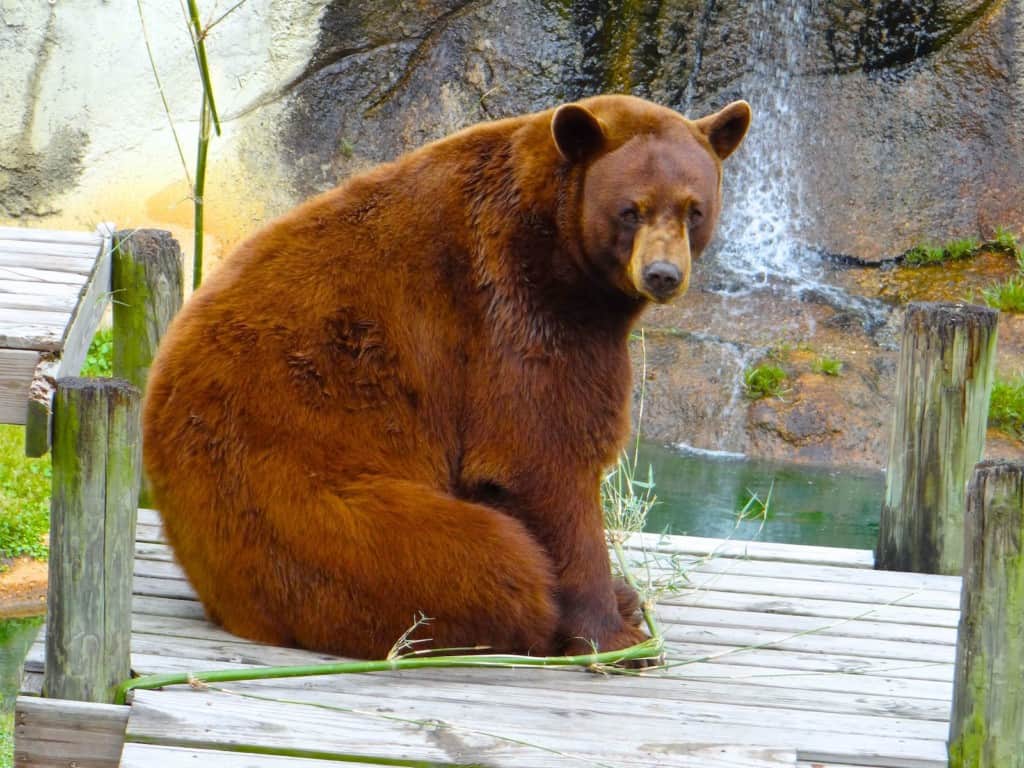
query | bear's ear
(578,134)
(726,128)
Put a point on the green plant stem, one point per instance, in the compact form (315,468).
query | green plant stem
(645,608)
(198,191)
(199,38)
(646,650)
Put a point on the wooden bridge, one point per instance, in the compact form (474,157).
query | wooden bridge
(779,655)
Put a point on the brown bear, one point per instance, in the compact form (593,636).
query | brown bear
(399,398)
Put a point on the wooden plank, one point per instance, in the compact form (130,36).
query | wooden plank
(156,756)
(23,288)
(27,234)
(48,276)
(812,643)
(20,335)
(16,369)
(849,628)
(752,550)
(34,317)
(59,256)
(826,609)
(73,348)
(823,590)
(48,260)
(37,302)
(53,733)
(500,733)
(800,571)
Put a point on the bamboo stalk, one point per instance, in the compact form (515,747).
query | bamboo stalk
(204,69)
(647,650)
(198,191)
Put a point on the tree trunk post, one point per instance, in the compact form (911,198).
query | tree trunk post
(147,280)
(987,725)
(943,385)
(96,461)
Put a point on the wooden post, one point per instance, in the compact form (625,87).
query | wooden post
(987,726)
(147,280)
(942,393)
(96,460)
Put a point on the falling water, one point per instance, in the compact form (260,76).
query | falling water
(760,233)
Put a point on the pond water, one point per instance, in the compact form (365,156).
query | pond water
(704,495)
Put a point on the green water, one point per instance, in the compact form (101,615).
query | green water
(16,635)
(702,495)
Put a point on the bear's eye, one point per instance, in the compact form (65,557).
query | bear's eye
(629,216)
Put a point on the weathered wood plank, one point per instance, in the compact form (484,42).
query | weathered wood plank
(155,756)
(16,369)
(416,728)
(826,609)
(15,301)
(96,464)
(32,275)
(24,335)
(33,317)
(52,733)
(752,550)
(23,288)
(812,643)
(27,234)
(42,256)
(73,348)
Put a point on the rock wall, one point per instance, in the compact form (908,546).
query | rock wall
(890,122)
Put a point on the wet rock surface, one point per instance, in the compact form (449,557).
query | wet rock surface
(692,356)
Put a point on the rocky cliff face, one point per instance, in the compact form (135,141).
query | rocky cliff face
(879,124)
(900,113)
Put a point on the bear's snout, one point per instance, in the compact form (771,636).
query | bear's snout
(661,279)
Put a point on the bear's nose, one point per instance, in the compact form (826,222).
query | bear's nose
(661,278)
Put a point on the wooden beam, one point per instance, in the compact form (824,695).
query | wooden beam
(70,350)
(17,367)
(946,369)
(50,733)
(96,465)
(987,726)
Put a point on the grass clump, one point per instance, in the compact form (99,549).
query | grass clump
(1004,240)
(954,250)
(764,381)
(1006,408)
(828,366)
(24,497)
(1007,296)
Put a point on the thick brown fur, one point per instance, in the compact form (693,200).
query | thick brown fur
(399,398)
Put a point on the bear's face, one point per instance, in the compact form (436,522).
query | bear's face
(651,189)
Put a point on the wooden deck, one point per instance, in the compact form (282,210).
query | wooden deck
(54,287)
(783,656)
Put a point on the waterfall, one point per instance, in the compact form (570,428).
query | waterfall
(758,233)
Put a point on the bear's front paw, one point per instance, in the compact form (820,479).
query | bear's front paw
(629,603)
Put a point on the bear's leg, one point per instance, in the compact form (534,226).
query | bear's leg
(350,571)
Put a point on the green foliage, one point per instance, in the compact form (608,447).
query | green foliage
(24,497)
(922,255)
(954,250)
(1006,408)
(1007,296)
(764,381)
(829,366)
(1004,240)
(99,358)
